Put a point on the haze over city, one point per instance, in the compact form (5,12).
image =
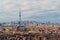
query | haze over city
(36,10)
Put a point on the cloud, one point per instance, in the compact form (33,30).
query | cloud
(10,8)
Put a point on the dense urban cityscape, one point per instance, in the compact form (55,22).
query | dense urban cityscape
(29,31)
(29,19)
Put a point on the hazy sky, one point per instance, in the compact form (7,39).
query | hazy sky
(37,10)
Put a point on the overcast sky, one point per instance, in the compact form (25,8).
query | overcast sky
(37,10)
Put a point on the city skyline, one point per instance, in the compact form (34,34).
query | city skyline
(35,10)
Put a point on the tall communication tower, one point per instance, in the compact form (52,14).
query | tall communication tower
(19,17)
(19,22)
(20,27)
